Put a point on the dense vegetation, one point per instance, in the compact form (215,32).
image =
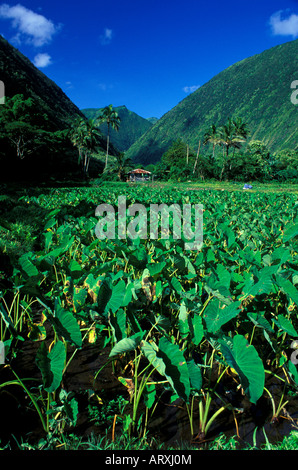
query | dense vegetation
(209,331)
(257,90)
(36,124)
(235,161)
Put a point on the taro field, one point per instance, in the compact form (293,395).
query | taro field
(140,340)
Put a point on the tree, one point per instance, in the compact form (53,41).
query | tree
(21,124)
(232,135)
(110,116)
(84,136)
(211,136)
(121,166)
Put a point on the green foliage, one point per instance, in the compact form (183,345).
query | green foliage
(257,89)
(164,317)
(132,126)
(51,365)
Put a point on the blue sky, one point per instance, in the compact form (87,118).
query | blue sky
(147,55)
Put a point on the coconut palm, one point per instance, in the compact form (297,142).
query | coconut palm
(110,116)
(232,135)
(211,136)
(85,137)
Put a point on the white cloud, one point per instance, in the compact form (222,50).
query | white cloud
(106,37)
(191,89)
(105,86)
(42,60)
(284,26)
(31,26)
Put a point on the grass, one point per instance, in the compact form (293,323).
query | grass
(123,443)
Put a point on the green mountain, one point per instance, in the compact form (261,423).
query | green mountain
(52,112)
(20,76)
(257,89)
(132,126)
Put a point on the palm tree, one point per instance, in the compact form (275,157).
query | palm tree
(232,135)
(121,166)
(211,136)
(85,136)
(110,116)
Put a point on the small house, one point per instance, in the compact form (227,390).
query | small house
(139,175)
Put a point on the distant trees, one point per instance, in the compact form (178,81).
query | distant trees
(230,135)
(85,135)
(110,117)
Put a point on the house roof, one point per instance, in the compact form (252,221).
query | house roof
(140,171)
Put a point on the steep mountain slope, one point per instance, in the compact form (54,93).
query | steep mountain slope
(132,126)
(48,154)
(20,76)
(257,89)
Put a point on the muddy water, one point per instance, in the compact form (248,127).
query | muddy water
(169,423)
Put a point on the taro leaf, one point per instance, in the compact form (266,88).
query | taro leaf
(110,298)
(50,223)
(176,369)
(65,324)
(51,365)
(71,409)
(27,265)
(245,360)
(127,344)
(264,285)
(197,329)
(286,325)
(75,269)
(79,298)
(290,232)
(259,320)
(104,295)
(183,325)
(292,371)
(195,375)
(224,276)
(282,254)
(218,314)
(176,285)
(118,323)
(118,293)
(48,240)
(156,268)
(168,360)
(287,287)
(149,395)
(139,258)
(93,286)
